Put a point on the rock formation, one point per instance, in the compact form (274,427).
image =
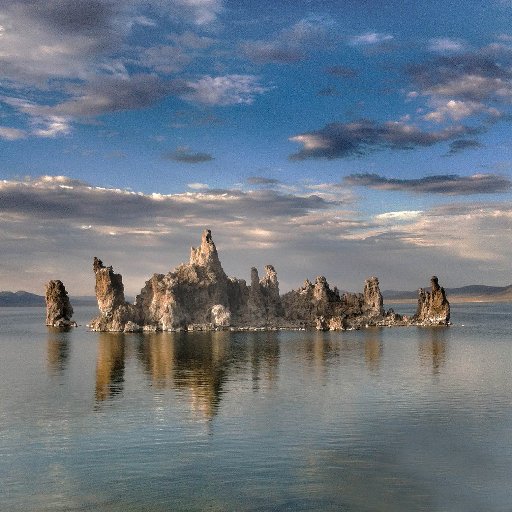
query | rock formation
(58,308)
(200,296)
(433,306)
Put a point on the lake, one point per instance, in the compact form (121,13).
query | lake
(390,419)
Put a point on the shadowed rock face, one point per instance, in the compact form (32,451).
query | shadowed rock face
(200,296)
(433,306)
(58,307)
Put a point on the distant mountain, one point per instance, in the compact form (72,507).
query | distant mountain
(473,292)
(26,299)
(20,298)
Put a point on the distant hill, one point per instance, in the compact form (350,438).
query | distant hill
(26,299)
(20,298)
(473,293)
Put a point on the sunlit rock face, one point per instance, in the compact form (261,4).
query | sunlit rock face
(58,307)
(200,296)
(115,313)
(433,306)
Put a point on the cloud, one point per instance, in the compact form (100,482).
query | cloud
(458,109)
(451,184)
(187,156)
(446,45)
(11,133)
(260,180)
(461,145)
(342,140)
(223,90)
(112,94)
(290,45)
(470,77)
(302,234)
(164,58)
(370,38)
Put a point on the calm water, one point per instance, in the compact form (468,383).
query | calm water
(378,420)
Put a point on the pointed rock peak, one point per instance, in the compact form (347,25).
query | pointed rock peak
(434,283)
(206,253)
(97,264)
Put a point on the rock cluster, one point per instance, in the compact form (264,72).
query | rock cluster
(58,307)
(433,306)
(200,296)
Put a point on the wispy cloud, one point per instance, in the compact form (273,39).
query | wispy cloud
(290,45)
(11,133)
(186,155)
(446,184)
(370,38)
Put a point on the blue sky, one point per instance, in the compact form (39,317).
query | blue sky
(338,138)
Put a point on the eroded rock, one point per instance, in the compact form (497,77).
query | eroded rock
(433,306)
(200,296)
(58,307)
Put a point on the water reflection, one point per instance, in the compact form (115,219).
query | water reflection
(373,348)
(57,350)
(264,357)
(201,363)
(110,365)
(433,347)
(321,347)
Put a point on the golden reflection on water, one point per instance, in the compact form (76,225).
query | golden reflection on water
(373,349)
(57,350)
(110,365)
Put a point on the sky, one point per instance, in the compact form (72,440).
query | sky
(344,139)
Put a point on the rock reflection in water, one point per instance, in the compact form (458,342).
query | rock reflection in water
(433,347)
(264,356)
(110,365)
(58,350)
(321,347)
(200,363)
(373,348)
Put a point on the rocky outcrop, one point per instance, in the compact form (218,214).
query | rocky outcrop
(317,306)
(58,307)
(433,306)
(115,313)
(200,296)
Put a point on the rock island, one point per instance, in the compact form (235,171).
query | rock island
(200,296)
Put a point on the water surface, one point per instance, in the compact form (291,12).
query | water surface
(374,420)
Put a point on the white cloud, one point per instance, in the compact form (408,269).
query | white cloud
(370,38)
(198,186)
(11,133)
(446,45)
(224,90)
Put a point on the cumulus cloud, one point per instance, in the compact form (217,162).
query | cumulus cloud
(341,140)
(450,184)
(187,156)
(457,110)
(471,77)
